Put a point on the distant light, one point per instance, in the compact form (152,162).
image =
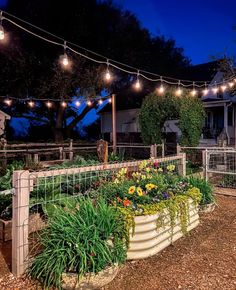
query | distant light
(178,92)
(89,103)
(161,89)
(205,92)
(77,103)
(100,102)
(31,104)
(137,84)
(63,104)
(64,60)
(215,90)
(2,33)
(223,88)
(193,93)
(8,102)
(108,76)
(49,104)
(109,100)
(231,84)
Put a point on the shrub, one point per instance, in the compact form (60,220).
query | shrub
(205,189)
(87,239)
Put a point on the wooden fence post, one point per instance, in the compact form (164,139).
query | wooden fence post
(178,149)
(153,151)
(20,220)
(163,149)
(205,163)
(60,153)
(182,167)
(71,150)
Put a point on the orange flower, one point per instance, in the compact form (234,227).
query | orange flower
(126,202)
(119,199)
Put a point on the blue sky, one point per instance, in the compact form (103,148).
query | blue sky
(202,28)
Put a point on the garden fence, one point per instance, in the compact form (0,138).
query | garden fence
(36,193)
(220,167)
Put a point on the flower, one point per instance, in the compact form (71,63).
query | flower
(132,189)
(156,164)
(171,167)
(143,177)
(119,199)
(160,169)
(150,186)
(127,202)
(148,169)
(139,191)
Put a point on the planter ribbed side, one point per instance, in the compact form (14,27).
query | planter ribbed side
(148,239)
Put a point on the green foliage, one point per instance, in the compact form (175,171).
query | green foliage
(157,109)
(205,189)
(191,118)
(85,240)
(6,179)
(154,112)
(228,181)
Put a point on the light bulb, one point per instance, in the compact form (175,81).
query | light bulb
(231,84)
(64,60)
(63,104)
(109,100)
(89,103)
(193,92)
(100,102)
(137,85)
(49,104)
(223,88)
(161,89)
(178,92)
(2,33)
(107,76)
(8,102)
(31,104)
(205,92)
(215,90)
(77,103)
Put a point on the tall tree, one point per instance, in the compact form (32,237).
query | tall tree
(31,65)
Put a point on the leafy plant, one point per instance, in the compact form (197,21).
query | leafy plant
(205,189)
(6,179)
(87,239)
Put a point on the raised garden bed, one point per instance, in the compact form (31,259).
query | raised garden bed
(148,239)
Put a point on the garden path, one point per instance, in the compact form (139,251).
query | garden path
(205,260)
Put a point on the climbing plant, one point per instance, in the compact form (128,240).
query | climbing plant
(156,109)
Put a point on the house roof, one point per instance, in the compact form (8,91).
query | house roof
(8,117)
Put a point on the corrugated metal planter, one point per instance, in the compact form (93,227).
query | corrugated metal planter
(148,239)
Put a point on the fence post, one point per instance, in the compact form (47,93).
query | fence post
(60,153)
(71,149)
(20,220)
(162,149)
(178,149)
(182,168)
(153,151)
(205,163)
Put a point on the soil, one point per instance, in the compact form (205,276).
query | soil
(204,260)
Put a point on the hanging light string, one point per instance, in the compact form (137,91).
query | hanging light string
(111,63)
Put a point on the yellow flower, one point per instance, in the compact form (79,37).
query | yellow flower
(132,189)
(143,177)
(116,181)
(148,169)
(160,169)
(150,186)
(139,191)
(171,167)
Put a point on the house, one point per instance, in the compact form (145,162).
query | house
(3,118)
(220,110)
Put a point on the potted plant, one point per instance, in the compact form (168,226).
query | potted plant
(82,248)
(207,203)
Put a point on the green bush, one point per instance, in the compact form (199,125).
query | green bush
(205,188)
(84,240)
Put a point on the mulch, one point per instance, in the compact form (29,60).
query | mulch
(204,260)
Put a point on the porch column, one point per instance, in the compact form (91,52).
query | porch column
(234,126)
(226,121)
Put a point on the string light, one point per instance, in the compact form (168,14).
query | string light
(223,88)
(31,104)
(63,104)
(100,102)
(231,84)
(8,102)
(108,74)
(178,91)
(2,33)
(110,100)
(161,88)
(137,84)
(205,91)
(49,104)
(64,58)
(89,103)
(215,89)
(77,103)
(193,92)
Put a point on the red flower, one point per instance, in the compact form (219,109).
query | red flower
(126,202)
(156,164)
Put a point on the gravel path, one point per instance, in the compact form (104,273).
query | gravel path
(205,260)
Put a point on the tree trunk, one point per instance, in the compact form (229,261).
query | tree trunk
(58,131)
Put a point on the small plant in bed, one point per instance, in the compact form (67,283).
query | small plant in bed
(86,239)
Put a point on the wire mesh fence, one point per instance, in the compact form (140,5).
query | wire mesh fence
(37,194)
